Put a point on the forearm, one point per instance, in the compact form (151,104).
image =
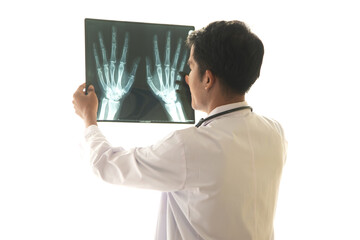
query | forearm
(145,167)
(111,164)
(96,144)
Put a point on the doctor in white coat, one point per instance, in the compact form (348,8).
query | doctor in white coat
(219,179)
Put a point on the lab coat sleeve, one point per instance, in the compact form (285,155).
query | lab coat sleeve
(160,166)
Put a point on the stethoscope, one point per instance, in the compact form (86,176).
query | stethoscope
(202,120)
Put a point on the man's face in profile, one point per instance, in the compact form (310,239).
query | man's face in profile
(194,80)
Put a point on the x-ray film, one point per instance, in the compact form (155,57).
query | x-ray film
(136,69)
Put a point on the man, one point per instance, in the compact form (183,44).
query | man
(220,179)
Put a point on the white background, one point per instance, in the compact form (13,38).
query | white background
(309,83)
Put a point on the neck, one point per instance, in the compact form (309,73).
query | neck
(217,102)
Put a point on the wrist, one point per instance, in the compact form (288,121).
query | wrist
(89,123)
(90,120)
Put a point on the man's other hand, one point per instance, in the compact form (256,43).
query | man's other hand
(86,105)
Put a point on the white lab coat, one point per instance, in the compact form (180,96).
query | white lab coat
(219,181)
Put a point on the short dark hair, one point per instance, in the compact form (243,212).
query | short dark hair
(230,51)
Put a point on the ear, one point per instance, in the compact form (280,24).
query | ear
(209,80)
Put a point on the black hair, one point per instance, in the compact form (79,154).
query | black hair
(230,51)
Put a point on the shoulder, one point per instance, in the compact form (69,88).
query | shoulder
(176,139)
(269,123)
(275,129)
(186,138)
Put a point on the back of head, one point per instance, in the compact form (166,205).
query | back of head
(231,52)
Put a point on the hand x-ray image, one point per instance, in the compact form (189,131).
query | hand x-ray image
(136,71)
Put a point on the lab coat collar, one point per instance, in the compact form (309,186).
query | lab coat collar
(225,108)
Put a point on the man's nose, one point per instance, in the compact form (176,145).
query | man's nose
(187,79)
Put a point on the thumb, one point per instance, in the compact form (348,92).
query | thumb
(91,89)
